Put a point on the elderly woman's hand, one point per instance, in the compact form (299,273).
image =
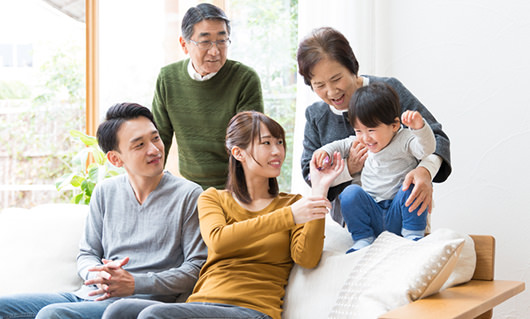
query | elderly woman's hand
(357,156)
(422,192)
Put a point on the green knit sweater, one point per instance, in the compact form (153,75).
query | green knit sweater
(198,113)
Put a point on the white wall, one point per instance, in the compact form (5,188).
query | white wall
(468,62)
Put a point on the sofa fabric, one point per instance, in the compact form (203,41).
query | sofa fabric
(39,246)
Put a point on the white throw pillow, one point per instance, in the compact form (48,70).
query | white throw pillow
(393,272)
(312,293)
(39,246)
(467,261)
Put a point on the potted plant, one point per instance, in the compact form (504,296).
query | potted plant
(82,178)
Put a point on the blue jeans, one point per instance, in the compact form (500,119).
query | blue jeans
(147,309)
(50,306)
(365,217)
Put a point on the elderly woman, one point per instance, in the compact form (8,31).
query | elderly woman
(329,67)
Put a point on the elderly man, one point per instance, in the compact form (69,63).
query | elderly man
(196,97)
(142,235)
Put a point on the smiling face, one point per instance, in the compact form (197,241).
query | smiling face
(265,157)
(140,149)
(334,83)
(376,138)
(213,59)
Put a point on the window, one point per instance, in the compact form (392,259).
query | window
(6,55)
(264,36)
(24,54)
(42,80)
(42,94)
(19,55)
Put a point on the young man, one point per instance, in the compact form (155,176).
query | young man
(142,235)
(196,97)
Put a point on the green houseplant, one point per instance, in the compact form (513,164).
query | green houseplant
(82,178)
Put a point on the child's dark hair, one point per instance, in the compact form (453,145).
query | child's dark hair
(117,114)
(242,130)
(375,104)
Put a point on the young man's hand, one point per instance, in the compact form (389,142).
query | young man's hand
(112,280)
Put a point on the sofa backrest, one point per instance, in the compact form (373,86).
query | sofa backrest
(39,246)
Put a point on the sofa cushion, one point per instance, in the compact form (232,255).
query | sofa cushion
(340,279)
(393,272)
(39,246)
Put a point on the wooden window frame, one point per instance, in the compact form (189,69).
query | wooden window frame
(92,66)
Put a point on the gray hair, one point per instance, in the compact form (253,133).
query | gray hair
(203,11)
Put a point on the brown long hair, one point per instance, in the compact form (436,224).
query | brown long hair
(242,130)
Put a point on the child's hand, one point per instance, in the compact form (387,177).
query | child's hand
(321,179)
(322,159)
(412,119)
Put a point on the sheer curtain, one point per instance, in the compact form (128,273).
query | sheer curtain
(355,19)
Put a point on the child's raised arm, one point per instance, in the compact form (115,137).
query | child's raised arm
(412,119)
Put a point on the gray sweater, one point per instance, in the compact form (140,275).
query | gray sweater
(323,127)
(161,236)
(383,172)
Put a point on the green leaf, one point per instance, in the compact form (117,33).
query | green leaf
(77,180)
(86,200)
(89,190)
(86,139)
(63,181)
(99,156)
(84,178)
(111,173)
(78,198)
(93,172)
(89,140)
(79,160)
(76,133)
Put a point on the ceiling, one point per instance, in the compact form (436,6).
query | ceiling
(72,8)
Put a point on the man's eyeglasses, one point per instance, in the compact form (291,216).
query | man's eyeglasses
(207,45)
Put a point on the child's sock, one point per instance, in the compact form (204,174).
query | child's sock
(361,243)
(413,234)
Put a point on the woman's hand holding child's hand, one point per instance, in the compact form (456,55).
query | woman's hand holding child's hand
(321,179)
(310,208)
(317,205)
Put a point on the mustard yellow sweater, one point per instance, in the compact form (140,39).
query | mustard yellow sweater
(250,254)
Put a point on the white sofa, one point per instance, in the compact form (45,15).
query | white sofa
(38,249)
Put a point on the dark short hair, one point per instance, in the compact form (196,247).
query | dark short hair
(242,130)
(374,104)
(203,11)
(117,114)
(324,42)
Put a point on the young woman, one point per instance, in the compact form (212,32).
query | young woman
(328,65)
(254,233)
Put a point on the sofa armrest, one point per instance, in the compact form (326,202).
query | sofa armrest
(468,300)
